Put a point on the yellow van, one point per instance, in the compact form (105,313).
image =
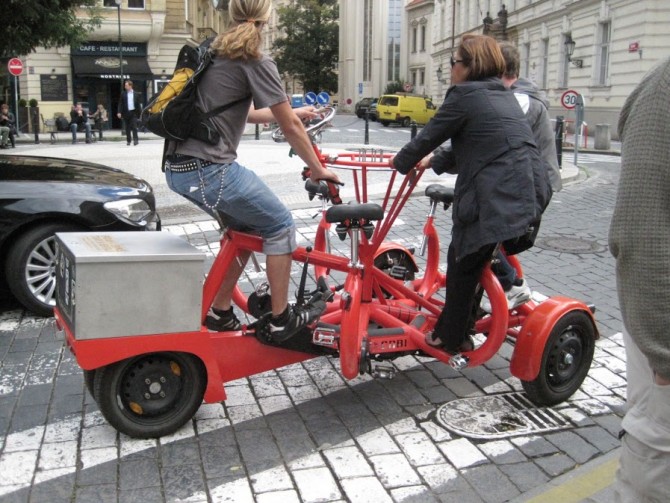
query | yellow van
(404,108)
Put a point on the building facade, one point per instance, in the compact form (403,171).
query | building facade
(151,34)
(615,43)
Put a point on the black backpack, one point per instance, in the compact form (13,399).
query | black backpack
(172,114)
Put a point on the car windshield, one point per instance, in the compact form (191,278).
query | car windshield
(389,101)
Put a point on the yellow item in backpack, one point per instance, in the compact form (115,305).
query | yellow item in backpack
(171,89)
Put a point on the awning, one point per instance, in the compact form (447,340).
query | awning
(107,67)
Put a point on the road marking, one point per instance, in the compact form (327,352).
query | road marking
(582,487)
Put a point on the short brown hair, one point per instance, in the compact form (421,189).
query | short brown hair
(482,57)
(512,59)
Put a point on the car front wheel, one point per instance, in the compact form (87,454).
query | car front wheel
(31,267)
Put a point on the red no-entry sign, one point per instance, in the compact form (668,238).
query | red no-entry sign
(15,66)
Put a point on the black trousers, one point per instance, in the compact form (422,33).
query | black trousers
(463,276)
(131,126)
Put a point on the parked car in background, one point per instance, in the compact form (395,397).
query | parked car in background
(40,196)
(363,105)
(404,108)
(372,111)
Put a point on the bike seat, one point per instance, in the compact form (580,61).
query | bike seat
(440,193)
(354,211)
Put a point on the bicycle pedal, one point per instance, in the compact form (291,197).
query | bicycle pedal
(325,336)
(383,371)
(399,272)
(458,362)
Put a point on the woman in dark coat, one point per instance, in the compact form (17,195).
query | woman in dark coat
(501,187)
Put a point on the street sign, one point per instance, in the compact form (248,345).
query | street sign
(310,98)
(15,66)
(323,98)
(407,87)
(569,99)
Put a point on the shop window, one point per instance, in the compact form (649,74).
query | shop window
(136,4)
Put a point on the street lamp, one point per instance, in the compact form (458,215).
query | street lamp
(570,49)
(439,75)
(118,7)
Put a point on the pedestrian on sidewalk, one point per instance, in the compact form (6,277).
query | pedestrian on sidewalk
(640,242)
(79,122)
(129,111)
(496,196)
(7,120)
(209,176)
(100,119)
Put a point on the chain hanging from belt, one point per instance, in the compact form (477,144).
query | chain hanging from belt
(213,206)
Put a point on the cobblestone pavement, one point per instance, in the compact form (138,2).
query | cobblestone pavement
(304,434)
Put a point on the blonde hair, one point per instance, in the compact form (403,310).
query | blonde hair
(243,39)
(481,56)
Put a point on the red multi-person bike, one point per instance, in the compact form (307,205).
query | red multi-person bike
(382,299)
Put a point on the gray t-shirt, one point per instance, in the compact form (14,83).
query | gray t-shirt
(225,81)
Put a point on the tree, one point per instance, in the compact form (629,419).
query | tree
(27,24)
(308,50)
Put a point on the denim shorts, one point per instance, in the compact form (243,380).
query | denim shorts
(243,199)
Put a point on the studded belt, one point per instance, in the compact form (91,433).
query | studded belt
(183,164)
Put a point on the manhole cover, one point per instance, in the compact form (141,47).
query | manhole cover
(498,416)
(569,245)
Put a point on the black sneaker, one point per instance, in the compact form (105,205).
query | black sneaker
(222,321)
(298,318)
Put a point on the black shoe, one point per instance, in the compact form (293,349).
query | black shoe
(128,144)
(222,321)
(136,143)
(74,142)
(298,318)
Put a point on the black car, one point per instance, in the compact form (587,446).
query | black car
(40,196)
(372,112)
(363,105)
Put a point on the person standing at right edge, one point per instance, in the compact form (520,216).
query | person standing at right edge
(129,111)
(639,240)
(501,187)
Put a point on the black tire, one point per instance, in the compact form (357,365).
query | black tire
(385,123)
(89,380)
(31,267)
(406,122)
(566,360)
(129,393)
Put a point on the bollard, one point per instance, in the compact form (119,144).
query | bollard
(257,135)
(602,140)
(36,123)
(559,140)
(367,129)
(413,130)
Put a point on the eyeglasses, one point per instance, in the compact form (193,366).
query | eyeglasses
(453,61)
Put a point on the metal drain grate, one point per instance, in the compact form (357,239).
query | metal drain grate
(498,416)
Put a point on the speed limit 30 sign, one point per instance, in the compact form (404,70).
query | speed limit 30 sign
(569,99)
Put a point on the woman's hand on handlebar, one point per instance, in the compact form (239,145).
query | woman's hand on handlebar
(422,164)
(425,162)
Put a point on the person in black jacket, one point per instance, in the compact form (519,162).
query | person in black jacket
(7,121)
(79,122)
(129,111)
(501,187)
